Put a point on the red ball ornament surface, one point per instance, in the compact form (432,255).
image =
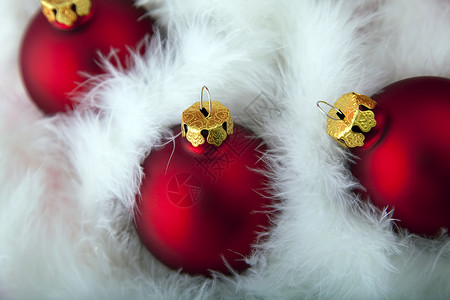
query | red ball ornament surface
(51,58)
(201,206)
(405,161)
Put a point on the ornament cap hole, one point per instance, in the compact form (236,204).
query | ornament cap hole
(340,115)
(362,108)
(357,129)
(205,134)
(204,112)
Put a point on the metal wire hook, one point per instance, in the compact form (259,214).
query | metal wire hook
(339,113)
(209,99)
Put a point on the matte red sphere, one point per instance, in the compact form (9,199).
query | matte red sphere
(203,205)
(405,162)
(51,58)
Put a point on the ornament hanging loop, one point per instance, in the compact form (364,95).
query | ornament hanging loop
(339,113)
(209,100)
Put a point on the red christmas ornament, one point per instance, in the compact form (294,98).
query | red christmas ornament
(404,161)
(202,204)
(57,48)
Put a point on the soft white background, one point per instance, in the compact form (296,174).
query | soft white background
(67,183)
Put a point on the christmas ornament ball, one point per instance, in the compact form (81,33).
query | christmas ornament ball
(53,54)
(201,208)
(404,163)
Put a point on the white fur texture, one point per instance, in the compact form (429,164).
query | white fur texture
(68,182)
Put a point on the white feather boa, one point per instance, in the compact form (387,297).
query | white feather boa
(68,182)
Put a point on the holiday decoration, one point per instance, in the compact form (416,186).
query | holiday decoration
(201,205)
(66,39)
(400,137)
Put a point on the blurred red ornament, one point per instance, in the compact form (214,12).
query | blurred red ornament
(404,163)
(56,49)
(201,206)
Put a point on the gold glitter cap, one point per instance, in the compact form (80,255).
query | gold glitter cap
(346,122)
(65,12)
(212,121)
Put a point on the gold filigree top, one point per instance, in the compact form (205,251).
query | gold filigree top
(217,123)
(65,12)
(342,129)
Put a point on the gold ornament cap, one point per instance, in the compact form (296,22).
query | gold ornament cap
(213,121)
(65,12)
(346,122)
